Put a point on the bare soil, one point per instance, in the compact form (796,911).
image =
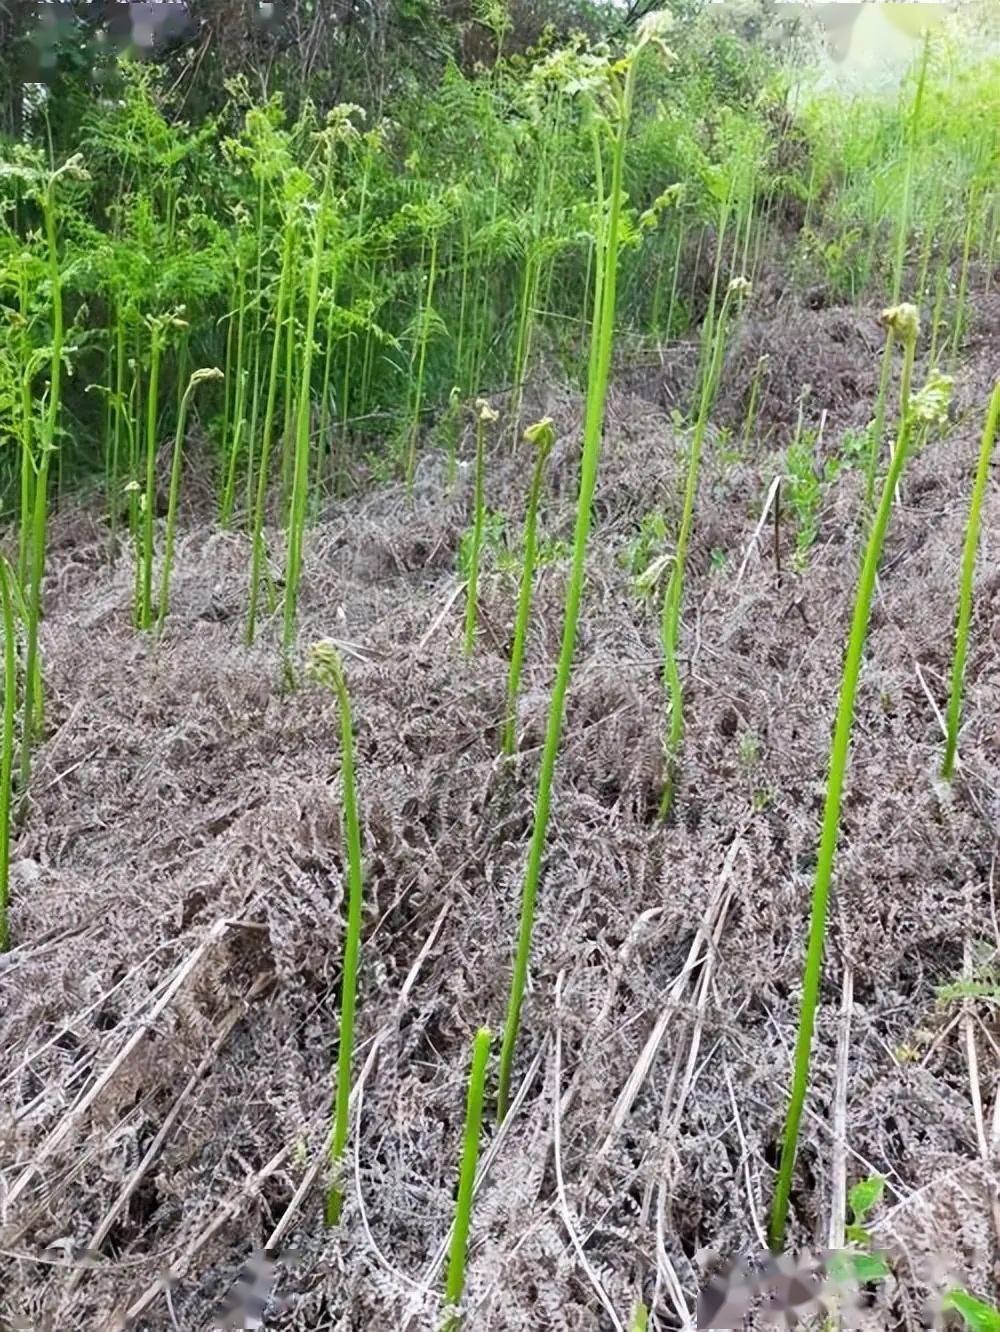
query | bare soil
(168,1008)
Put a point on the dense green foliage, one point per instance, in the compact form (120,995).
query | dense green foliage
(457,245)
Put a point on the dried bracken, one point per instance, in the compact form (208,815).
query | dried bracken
(169,800)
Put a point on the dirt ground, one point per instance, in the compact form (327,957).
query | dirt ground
(168,1007)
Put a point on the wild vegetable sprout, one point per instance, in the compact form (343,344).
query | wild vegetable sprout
(326,667)
(293,196)
(965,584)
(610,90)
(301,451)
(206,376)
(484,415)
(541,436)
(6,741)
(458,1252)
(903,322)
(737,291)
(35,495)
(928,405)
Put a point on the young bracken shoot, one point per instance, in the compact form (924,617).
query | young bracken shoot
(300,475)
(47,197)
(159,327)
(455,1283)
(199,377)
(903,322)
(326,667)
(484,415)
(617,84)
(670,624)
(931,403)
(258,555)
(6,742)
(965,584)
(542,437)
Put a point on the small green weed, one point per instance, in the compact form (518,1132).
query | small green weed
(807,480)
(979,1316)
(750,750)
(647,544)
(863,1198)
(858,1264)
(855,447)
(982,982)
(552,550)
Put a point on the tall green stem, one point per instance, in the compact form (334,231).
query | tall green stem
(326,667)
(118,401)
(455,1282)
(965,584)
(239,397)
(7,751)
(300,475)
(597,385)
(257,348)
(199,377)
(875,444)
(324,445)
(543,437)
(26,424)
(906,380)
(709,342)
(484,413)
(421,363)
(145,616)
(32,686)
(257,536)
(831,825)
